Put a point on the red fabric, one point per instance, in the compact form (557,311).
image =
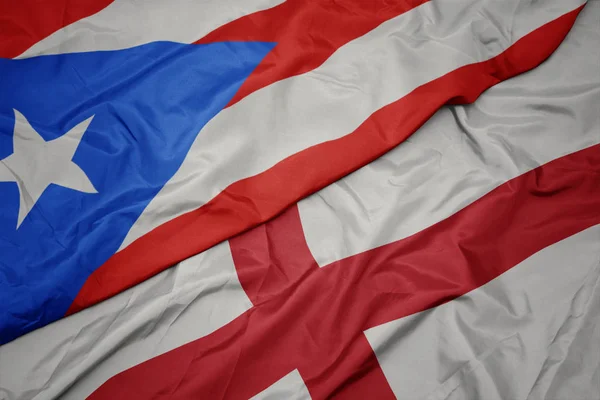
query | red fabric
(312,319)
(23,23)
(251,201)
(260,253)
(306,33)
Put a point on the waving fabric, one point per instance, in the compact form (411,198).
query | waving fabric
(292,199)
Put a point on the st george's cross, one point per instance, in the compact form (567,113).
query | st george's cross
(312,319)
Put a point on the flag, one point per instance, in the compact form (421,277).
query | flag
(417,276)
(127,150)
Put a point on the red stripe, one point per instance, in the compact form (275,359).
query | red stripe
(248,202)
(306,33)
(315,321)
(259,253)
(23,23)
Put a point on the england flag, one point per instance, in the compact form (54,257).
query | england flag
(300,199)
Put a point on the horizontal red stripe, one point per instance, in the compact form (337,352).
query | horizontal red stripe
(23,23)
(306,33)
(479,243)
(250,201)
(315,321)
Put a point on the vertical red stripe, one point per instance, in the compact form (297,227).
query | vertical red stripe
(354,375)
(272,257)
(23,23)
(480,242)
(315,322)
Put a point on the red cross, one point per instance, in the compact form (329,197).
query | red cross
(312,319)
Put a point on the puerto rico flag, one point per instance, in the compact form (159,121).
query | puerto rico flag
(300,199)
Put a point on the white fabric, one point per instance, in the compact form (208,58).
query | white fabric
(508,338)
(331,101)
(463,152)
(127,23)
(73,356)
(290,387)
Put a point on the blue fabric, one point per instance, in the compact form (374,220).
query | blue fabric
(149,103)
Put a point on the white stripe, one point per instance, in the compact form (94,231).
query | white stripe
(72,357)
(331,101)
(290,387)
(129,328)
(127,23)
(504,339)
(463,152)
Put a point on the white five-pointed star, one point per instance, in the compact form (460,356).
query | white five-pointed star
(35,163)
